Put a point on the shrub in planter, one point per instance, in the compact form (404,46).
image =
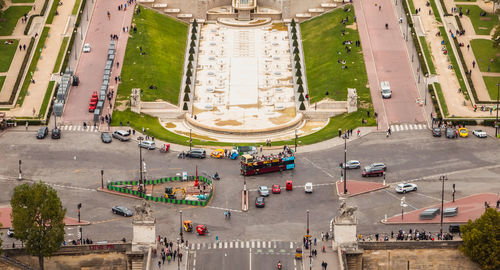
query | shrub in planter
(302,106)
(188,80)
(299,80)
(293,23)
(185,107)
(300,89)
(189,73)
(187,89)
(301,97)
(294,36)
(192,44)
(298,73)
(296,58)
(191,50)
(193,37)
(294,30)
(191,58)
(295,43)
(297,65)
(190,65)
(186,97)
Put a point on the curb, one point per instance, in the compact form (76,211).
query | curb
(353,195)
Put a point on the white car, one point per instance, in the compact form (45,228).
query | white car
(86,48)
(406,187)
(352,164)
(308,188)
(479,133)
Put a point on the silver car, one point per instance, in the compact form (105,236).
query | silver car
(263,191)
(352,164)
(406,187)
(479,133)
(147,145)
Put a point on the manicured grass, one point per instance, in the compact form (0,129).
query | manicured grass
(322,42)
(435,10)
(412,6)
(482,25)
(427,54)
(76,7)
(22,1)
(46,99)
(491,85)
(163,40)
(60,55)
(343,121)
(9,18)
(7,52)
(453,59)
(2,80)
(484,52)
(442,101)
(465,0)
(52,12)
(33,64)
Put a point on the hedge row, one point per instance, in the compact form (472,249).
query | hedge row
(459,23)
(435,102)
(72,39)
(30,19)
(467,75)
(20,74)
(416,41)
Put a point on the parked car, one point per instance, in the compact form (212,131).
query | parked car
(463,132)
(378,165)
(260,202)
(263,191)
(42,132)
(385,88)
(406,187)
(92,106)
(308,188)
(150,145)
(86,48)
(450,133)
(10,232)
(106,138)
(436,132)
(122,210)
(276,189)
(196,153)
(352,164)
(430,213)
(450,212)
(371,171)
(454,228)
(56,133)
(479,133)
(121,135)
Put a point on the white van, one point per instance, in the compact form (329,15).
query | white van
(385,89)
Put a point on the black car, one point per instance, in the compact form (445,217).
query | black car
(42,133)
(450,133)
(436,132)
(10,232)
(454,228)
(259,202)
(56,133)
(122,210)
(196,153)
(106,138)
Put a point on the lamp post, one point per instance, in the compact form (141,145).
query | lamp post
(426,89)
(442,178)
(79,206)
(178,259)
(20,172)
(102,179)
(295,140)
(140,138)
(406,27)
(74,44)
(180,228)
(496,122)
(308,237)
(190,139)
(345,163)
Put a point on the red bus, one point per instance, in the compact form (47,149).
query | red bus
(258,165)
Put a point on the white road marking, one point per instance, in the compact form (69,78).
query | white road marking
(318,167)
(291,245)
(399,199)
(253,244)
(220,244)
(198,246)
(225,244)
(264,244)
(258,244)
(247,244)
(410,127)
(269,244)
(231,244)
(250,260)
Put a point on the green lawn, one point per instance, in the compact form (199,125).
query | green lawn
(7,52)
(491,85)
(32,66)
(465,0)
(441,98)
(343,121)
(22,1)
(9,18)
(322,41)
(76,7)
(52,12)
(163,40)
(412,6)
(427,54)
(46,99)
(60,55)
(453,59)
(482,25)
(2,80)
(484,52)
(435,10)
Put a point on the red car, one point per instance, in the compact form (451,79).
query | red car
(276,189)
(93,101)
(92,106)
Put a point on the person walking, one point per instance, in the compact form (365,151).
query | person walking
(473,64)
(159,264)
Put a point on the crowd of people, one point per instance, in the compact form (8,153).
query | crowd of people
(401,235)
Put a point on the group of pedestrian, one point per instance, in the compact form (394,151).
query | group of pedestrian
(168,252)
(22,47)
(324,265)
(118,79)
(113,36)
(24,19)
(268,143)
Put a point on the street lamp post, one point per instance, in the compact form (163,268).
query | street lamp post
(442,179)
(140,138)
(180,228)
(178,259)
(308,241)
(190,139)
(102,178)
(20,172)
(295,141)
(406,36)
(345,163)
(496,122)
(79,206)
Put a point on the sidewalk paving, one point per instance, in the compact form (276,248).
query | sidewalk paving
(330,256)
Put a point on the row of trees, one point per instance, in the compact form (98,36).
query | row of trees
(190,66)
(296,58)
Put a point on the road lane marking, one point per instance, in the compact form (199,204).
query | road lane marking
(253,244)
(224,209)
(225,244)
(258,244)
(198,246)
(269,244)
(291,245)
(220,244)
(399,199)
(250,260)
(264,244)
(318,167)
(248,244)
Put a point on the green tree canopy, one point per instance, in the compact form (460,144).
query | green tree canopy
(293,22)
(297,65)
(296,57)
(191,58)
(192,44)
(193,30)
(190,65)
(294,36)
(481,240)
(193,36)
(294,30)
(188,80)
(496,37)
(189,73)
(37,218)
(295,43)
(299,80)
(195,23)
(301,97)
(298,73)
(191,51)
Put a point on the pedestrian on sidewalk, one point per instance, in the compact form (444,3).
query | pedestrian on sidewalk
(358,132)
(117,64)
(473,63)
(180,256)
(24,47)
(109,16)
(20,47)
(27,125)
(175,254)
(322,236)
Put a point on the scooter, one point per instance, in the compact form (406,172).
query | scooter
(216,176)
(279,264)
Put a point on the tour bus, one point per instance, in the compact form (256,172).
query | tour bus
(265,164)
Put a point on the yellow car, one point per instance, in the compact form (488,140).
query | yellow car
(217,153)
(463,132)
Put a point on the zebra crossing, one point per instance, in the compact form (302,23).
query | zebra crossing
(277,245)
(407,127)
(79,128)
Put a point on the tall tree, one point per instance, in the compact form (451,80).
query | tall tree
(37,218)
(481,240)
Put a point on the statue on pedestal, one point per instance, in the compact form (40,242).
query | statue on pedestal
(143,212)
(346,213)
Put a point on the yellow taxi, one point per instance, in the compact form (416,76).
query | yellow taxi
(217,153)
(463,132)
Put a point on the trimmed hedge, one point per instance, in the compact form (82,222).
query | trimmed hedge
(459,23)
(467,75)
(30,19)
(435,102)
(416,41)
(80,13)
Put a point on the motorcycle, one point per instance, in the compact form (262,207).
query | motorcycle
(279,264)
(216,176)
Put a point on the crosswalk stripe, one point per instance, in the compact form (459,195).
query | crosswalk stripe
(405,127)
(269,244)
(393,127)
(253,244)
(230,244)
(419,126)
(397,128)
(264,244)
(247,244)
(410,127)
(225,244)
(258,244)
(220,244)
(274,244)
(291,245)
(198,246)
(415,127)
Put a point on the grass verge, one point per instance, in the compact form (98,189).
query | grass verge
(482,24)
(343,121)
(163,43)
(9,18)
(491,85)
(46,99)
(427,54)
(322,41)
(60,55)
(7,52)
(52,12)
(441,98)
(453,59)
(484,52)
(435,11)
(76,7)
(2,80)
(32,68)
(412,6)
(22,1)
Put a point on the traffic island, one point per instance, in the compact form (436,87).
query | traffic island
(355,188)
(189,190)
(469,208)
(5,219)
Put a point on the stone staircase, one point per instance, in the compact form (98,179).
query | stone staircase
(137,265)
(324,7)
(15,263)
